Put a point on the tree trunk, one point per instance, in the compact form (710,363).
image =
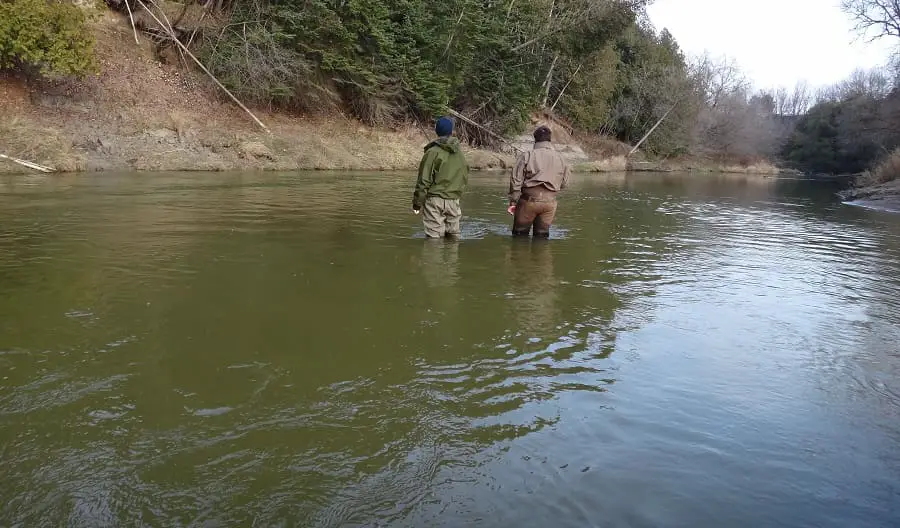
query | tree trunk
(549,81)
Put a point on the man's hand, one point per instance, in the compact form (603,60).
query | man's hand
(511,209)
(416,210)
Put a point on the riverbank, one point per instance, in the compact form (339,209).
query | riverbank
(885,196)
(140,114)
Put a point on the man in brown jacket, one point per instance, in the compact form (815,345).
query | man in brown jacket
(538,175)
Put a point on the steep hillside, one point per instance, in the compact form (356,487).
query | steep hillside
(141,114)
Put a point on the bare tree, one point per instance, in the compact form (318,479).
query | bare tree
(825,94)
(763,102)
(732,123)
(718,78)
(793,102)
(799,100)
(879,16)
(875,83)
(782,100)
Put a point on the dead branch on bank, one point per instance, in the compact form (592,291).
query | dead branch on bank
(169,32)
(456,114)
(28,164)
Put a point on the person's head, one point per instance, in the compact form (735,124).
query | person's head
(542,134)
(443,127)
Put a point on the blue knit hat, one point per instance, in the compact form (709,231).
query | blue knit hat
(443,127)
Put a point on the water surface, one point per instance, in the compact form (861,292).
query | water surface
(288,350)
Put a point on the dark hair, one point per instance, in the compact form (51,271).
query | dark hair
(542,134)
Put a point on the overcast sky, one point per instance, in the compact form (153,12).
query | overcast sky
(776,42)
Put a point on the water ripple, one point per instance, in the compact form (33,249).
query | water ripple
(279,350)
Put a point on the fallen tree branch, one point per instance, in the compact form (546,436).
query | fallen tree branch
(28,164)
(535,39)
(453,33)
(558,97)
(661,119)
(491,132)
(194,32)
(131,18)
(183,48)
(168,28)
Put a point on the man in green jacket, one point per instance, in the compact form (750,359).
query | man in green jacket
(443,176)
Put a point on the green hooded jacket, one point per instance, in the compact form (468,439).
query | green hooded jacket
(443,172)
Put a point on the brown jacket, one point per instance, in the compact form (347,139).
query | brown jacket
(541,166)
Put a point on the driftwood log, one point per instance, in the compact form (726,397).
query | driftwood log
(29,164)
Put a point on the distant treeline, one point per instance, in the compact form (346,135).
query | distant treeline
(853,125)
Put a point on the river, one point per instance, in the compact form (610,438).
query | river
(288,350)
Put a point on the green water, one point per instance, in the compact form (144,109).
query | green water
(288,350)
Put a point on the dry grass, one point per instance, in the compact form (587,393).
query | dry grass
(561,129)
(487,160)
(182,124)
(760,167)
(335,144)
(602,147)
(718,165)
(45,146)
(612,164)
(886,171)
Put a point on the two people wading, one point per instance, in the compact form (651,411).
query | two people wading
(539,174)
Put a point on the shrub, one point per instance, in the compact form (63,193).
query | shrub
(887,170)
(45,36)
(253,63)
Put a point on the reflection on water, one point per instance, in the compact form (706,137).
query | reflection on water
(239,349)
(535,299)
(440,262)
